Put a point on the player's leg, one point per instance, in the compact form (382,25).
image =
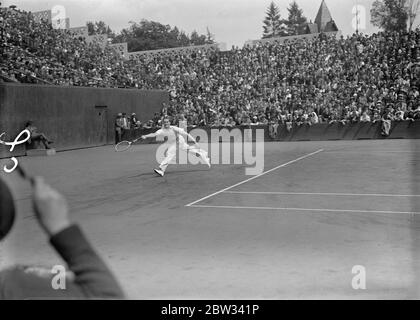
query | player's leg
(40,138)
(170,154)
(198,152)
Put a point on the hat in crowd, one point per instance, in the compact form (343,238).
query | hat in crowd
(133,114)
(120,114)
(7,209)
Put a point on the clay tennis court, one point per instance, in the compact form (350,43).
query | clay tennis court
(293,232)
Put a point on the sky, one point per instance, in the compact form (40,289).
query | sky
(231,21)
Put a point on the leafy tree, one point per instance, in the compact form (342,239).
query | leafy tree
(152,35)
(197,39)
(99,27)
(296,21)
(390,15)
(183,39)
(272,22)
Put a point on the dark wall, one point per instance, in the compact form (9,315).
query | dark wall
(357,131)
(74,117)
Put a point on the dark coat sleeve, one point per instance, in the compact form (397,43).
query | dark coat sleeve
(92,278)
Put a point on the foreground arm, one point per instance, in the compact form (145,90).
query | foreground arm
(92,278)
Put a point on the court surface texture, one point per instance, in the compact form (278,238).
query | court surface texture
(295,231)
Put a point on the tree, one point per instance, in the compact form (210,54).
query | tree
(99,27)
(183,39)
(152,35)
(390,15)
(272,22)
(196,39)
(296,21)
(209,37)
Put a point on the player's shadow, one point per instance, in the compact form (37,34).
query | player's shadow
(183,171)
(148,174)
(154,175)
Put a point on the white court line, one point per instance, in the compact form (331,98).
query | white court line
(255,177)
(371,151)
(302,209)
(326,194)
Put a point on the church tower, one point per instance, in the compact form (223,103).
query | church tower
(324,20)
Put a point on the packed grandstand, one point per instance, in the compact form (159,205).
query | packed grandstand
(324,79)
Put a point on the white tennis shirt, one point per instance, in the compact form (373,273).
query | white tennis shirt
(174,134)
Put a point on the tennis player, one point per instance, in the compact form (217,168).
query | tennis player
(175,137)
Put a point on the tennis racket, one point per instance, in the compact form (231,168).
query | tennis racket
(125,145)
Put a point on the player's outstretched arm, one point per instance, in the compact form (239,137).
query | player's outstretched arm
(151,135)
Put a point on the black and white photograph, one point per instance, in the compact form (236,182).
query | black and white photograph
(230,152)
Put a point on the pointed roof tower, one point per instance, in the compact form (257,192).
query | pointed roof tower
(323,16)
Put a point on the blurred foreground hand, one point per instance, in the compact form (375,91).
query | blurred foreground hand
(50,207)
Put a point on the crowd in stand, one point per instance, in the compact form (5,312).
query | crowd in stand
(37,53)
(358,78)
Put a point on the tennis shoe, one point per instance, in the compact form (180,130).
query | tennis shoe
(207,161)
(159,172)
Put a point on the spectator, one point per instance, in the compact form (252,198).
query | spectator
(135,123)
(125,121)
(90,278)
(416,112)
(387,117)
(354,116)
(35,136)
(119,127)
(399,114)
(313,118)
(376,116)
(365,117)
(149,125)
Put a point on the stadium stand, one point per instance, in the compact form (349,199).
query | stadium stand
(325,79)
